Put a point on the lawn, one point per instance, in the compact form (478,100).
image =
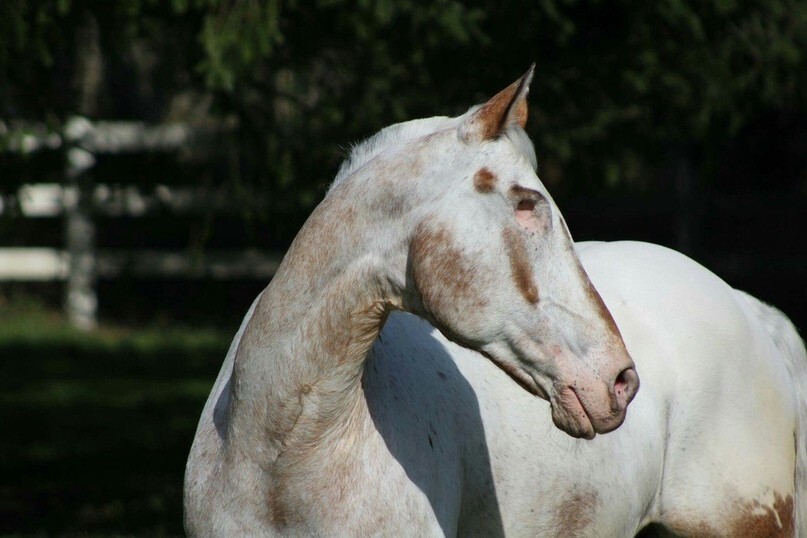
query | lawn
(95,427)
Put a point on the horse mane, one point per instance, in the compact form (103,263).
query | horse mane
(367,150)
(363,152)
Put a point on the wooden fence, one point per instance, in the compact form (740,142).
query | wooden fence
(70,178)
(57,175)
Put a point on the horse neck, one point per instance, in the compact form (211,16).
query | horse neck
(297,371)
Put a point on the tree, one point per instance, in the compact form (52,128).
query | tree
(621,88)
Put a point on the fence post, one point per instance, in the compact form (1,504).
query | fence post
(81,301)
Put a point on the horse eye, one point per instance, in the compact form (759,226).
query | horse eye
(526,205)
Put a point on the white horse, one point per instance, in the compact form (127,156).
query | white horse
(710,447)
(319,426)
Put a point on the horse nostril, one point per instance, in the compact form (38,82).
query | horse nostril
(626,385)
(621,382)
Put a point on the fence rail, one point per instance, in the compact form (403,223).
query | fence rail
(80,143)
(37,264)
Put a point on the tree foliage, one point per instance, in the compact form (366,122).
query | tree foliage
(618,85)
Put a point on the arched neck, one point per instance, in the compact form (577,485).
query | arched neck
(297,371)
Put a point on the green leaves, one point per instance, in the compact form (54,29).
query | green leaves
(617,82)
(236,37)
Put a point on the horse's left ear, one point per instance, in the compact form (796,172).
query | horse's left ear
(504,109)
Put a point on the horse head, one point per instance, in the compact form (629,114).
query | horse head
(489,259)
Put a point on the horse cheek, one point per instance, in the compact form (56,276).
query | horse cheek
(448,284)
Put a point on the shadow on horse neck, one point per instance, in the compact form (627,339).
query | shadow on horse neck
(442,446)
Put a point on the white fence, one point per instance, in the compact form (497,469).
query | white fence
(80,197)
(38,264)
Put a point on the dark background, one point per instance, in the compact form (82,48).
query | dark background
(678,122)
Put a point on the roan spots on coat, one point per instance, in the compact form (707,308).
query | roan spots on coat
(574,513)
(747,518)
(520,265)
(485,181)
(760,520)
(441,272)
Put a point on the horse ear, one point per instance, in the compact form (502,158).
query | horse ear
(504,109)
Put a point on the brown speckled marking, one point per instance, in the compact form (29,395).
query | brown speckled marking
(520,265)
(441,271)
(574,513)
(749,518)
(278,515)
(485,181)
(756,519)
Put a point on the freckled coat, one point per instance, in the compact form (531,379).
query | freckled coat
(466,453)
(322,424)
(694,454)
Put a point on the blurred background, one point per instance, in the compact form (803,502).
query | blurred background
(158,157)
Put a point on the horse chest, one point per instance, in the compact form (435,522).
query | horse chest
(357,487)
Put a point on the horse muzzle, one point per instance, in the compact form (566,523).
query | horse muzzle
(584,409)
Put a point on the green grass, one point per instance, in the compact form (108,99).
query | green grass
(95,427)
